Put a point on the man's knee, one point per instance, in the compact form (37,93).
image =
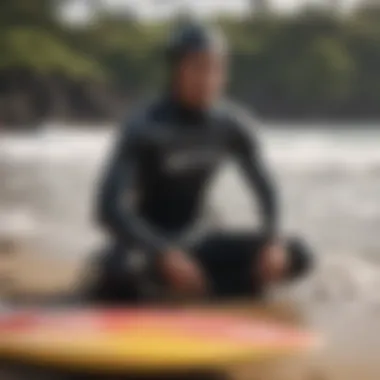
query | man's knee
(301,258)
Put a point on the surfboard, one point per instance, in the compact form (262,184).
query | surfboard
(144,340)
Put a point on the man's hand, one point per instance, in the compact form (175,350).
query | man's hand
(182,273)
(273,263)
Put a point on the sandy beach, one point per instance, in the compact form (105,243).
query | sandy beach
(350,332)
(331,190)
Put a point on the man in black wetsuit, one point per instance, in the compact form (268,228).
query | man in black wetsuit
(164,159)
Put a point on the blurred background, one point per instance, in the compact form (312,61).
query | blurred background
(86,60)
(71,69)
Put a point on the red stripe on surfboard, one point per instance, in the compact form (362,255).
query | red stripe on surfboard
(196,325)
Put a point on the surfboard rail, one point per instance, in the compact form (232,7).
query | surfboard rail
(145,340)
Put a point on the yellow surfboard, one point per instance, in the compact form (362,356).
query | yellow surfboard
(144,340)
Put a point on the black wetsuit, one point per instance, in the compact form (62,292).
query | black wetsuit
(165,158)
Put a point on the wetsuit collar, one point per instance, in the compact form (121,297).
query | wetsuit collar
(185,112)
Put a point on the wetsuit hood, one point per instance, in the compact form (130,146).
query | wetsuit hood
(193,37)
(184,39)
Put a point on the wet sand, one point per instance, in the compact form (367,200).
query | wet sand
(351,332)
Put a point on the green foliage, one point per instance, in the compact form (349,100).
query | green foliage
(43,52)
(32,38)
(313,60)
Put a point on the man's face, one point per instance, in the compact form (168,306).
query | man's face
(201,77)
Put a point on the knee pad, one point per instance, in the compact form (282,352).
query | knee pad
(301,258)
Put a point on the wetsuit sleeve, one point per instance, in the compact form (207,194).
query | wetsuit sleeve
(119,192)
(246,150)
